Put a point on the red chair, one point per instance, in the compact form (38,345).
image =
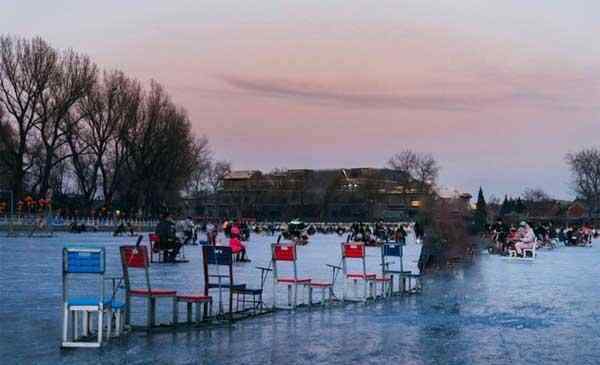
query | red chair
(287,253)
(136,257)
(356,251)
(155,248)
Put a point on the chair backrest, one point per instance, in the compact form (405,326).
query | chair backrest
(354,250)
(154,242)
(217,256)
(83,260)
(135,257)
(391,250)
(283,252)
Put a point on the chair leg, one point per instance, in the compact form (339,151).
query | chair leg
(151,312)
(295,295)
(109,323)
(188,311)
(65,323)
(100,327)
(75,315)
(85,323)
(198,312)
(118,322)
(175,311)
(289,295)
(310,292)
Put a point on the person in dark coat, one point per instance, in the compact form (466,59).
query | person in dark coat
(165,229)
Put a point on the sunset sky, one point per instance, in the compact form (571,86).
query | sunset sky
(498,91)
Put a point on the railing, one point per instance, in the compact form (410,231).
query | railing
(58,222)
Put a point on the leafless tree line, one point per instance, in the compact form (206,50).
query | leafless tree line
(585,173)
(67,126)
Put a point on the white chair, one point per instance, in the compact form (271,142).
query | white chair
(79,262)
(531,251)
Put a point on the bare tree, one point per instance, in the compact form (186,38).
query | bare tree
(216,173)
(535,195)
(421,167)
(102,116)
(7,151)
(73,78)
(585,172)
(203,160)
(161,152)
(26,70)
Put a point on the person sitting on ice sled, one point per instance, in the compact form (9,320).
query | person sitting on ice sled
(527,239)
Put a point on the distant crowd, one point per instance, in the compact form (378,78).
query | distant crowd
(506,237)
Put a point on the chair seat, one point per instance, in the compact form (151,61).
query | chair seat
(153,293)
(294,281)
(247,291)
(320,285)
(193,298)
(226,286)
(86,302)
(398,272)
(383,280)
(367,276)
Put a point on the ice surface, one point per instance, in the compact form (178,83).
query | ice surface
(493,312)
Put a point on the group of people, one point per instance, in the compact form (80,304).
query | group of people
(381,232)
(171,244)
(508,237)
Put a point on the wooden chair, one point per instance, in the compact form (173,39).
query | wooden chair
(136,258)
(395,251)
(219,258)
(287,253)
(155,248)
(83,262)
(356,251)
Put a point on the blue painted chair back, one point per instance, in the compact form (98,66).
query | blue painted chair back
(84,260)
(218,255)
(394,250)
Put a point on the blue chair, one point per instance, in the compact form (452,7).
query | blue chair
(388,269)
(83,262)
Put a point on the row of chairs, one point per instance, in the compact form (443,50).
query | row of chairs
(350,251)
(218,270)
(80,310)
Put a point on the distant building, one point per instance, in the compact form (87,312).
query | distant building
(355,194)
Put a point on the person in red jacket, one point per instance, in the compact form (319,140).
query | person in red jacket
(235,242)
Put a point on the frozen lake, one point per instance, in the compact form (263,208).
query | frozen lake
(493,312)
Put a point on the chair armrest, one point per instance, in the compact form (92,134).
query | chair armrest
(262,268)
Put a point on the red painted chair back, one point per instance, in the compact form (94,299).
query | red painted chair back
(355,250)
(153,238)
(134,257)
(284,252)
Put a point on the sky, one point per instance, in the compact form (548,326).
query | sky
(498,91)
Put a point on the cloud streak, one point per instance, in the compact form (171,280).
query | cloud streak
(436,100)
